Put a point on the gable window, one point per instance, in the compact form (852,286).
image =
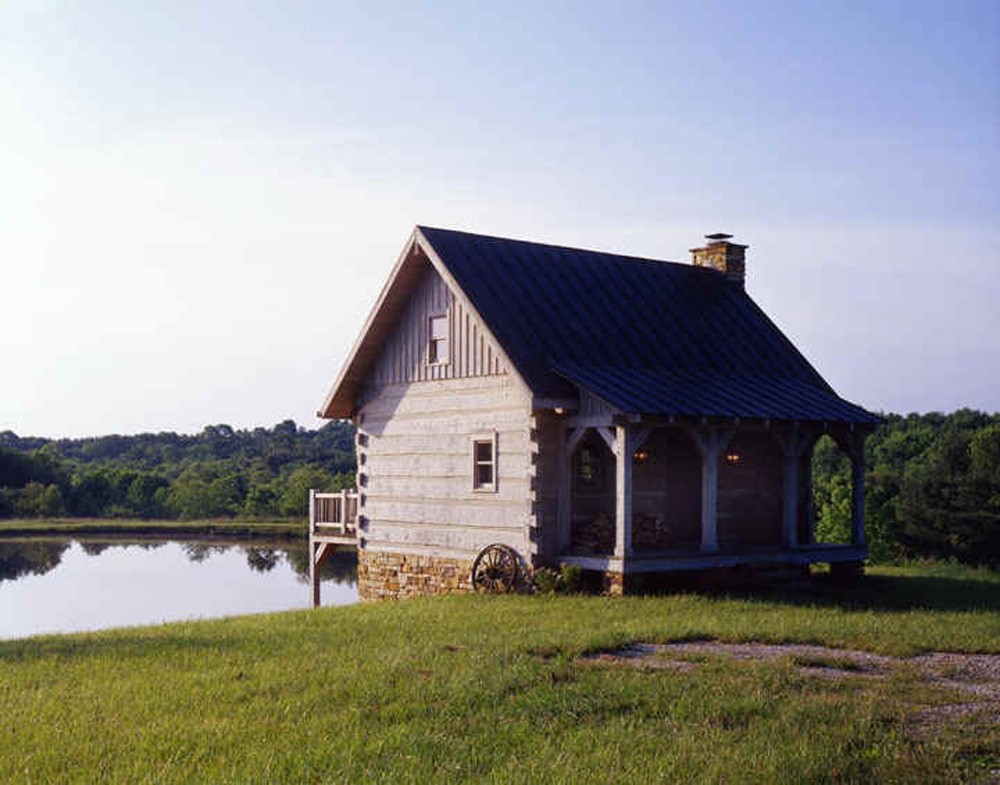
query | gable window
(484,462)
(437,351)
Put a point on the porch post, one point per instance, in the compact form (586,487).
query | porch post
(793,444)
(623,492)
(710,441)
(313,571)
(710,499)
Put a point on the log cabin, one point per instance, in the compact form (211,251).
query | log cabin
(520,405)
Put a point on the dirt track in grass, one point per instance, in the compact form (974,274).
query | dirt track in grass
(974,679)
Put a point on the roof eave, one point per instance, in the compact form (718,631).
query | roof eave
(339,402)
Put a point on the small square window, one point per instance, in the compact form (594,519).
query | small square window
(484,470)
(437,350)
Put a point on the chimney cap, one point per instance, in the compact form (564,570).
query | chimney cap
(718,237)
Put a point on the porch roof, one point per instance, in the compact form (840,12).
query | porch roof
(658,391)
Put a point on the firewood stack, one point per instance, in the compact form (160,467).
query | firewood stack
(595,536)
(649,532)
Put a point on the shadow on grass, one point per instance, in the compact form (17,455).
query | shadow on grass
(115,645)
(894,592)
(879,591)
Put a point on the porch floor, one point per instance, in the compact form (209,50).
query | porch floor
(692,558)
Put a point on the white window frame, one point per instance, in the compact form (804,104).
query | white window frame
(434,354)
(491,439)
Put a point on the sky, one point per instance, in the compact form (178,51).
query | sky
(199,202)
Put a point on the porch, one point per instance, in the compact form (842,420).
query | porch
(647,495)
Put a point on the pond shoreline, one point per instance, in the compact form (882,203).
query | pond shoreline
(291,531)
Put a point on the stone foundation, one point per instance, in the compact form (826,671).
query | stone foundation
(614,584)
(395,576)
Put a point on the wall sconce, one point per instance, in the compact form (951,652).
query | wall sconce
(733,458)
(640,456)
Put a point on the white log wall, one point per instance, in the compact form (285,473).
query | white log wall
(416,470)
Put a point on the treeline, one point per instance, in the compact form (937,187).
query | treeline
(932,488)
(933,480)
(219,473)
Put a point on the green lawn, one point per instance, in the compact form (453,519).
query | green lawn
(23,527)
(494,689)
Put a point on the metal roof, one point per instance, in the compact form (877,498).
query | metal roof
(648,336)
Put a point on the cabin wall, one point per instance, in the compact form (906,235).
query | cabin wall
(666,492)
(422,521)
(751,492)
(592,512)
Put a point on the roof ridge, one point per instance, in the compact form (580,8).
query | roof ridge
(570,248)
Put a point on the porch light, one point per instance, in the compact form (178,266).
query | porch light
(640,456)
(733,458)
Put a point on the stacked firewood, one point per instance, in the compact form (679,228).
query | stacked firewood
(595,536)
(649,532)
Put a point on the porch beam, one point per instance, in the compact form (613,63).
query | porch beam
(640,436)
(573,438)
(623,491)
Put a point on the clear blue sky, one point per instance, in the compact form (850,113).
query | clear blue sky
(200,202)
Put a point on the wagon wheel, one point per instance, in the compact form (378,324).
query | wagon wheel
(495,569)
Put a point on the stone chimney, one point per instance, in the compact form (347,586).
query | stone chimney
(722,255)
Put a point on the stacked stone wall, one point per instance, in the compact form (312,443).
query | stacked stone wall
(395,576)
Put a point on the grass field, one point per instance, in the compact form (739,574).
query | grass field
(28,527)
(499,689)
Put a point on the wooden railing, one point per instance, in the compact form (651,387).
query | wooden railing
(333,514)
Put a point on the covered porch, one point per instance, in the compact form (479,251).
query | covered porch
(640,495)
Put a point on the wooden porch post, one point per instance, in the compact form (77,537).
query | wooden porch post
(793,444)
(313,571)
(710,441)
(623,492)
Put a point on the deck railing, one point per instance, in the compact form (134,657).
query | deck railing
(333,513)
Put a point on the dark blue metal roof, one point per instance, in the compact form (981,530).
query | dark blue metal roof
(647,336)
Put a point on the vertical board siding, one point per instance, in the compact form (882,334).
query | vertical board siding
(404,358)
(592,406)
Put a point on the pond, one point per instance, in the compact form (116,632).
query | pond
(71,585)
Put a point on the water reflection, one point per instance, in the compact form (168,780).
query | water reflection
(37,557)
(61,585)
(29,558)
